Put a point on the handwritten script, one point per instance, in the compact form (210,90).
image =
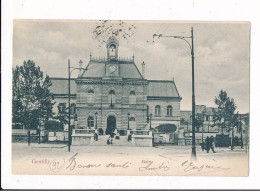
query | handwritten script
(188,167)
(192,168)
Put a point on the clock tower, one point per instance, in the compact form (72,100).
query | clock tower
(112,67)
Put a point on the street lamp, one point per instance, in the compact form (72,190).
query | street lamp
(193,149)
(151,120)
(96,119)
(69,73)
(128,114)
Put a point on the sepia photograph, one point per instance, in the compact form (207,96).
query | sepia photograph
(130,98)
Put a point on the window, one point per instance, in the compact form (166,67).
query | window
(169,110)
(132,98)
(61,107)
(73,108)
(91,96)
(111,97)
(132,124)
(157,111)
(90,122)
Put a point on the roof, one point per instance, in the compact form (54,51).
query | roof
(127,69)
(155,88)
(94,69)
(162,88)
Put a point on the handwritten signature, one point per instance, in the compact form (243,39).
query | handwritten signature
(151,166)
(193,169)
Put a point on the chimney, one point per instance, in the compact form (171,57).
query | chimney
(80,67)
(143,69)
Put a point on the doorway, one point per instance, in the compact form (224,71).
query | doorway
(111,124)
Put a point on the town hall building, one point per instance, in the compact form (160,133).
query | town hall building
(112,93)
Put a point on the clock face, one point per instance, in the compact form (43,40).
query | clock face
(112,68)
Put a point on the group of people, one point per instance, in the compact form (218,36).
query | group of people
(209,144)
(112,135)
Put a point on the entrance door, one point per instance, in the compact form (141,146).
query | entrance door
(111,124)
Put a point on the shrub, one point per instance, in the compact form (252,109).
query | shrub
(100,131)
(167,128)
(53,126)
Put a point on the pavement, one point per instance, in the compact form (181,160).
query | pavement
(126,160)
(100,147)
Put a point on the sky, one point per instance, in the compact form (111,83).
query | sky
(221,50)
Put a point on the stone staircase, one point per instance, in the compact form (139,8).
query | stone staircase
(102,141)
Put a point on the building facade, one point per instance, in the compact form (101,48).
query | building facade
(112,93)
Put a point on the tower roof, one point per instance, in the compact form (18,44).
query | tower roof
(97,68)
(112,40)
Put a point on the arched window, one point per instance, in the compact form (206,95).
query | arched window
(61,108)
(132,124)
(157,111)
(91,96)
(90,122)
(132,119)
(111,97)
(169,110)
(132,98)
(73,108)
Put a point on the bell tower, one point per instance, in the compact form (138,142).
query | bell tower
(112,63)
(112,48)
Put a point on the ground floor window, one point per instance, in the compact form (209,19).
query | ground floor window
(90,121)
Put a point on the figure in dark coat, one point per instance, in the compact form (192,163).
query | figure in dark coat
(208,144)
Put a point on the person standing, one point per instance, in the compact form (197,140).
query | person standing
(212,146)
(208,144)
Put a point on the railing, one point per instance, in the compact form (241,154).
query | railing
(102,59)
(23,131)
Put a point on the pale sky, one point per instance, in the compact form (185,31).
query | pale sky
(221,54)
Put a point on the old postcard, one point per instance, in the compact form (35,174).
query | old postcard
(148,98)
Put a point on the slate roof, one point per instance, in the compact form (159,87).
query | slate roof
(162,88)
(156,88)
(96,68)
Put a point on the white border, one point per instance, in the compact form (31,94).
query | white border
(203,10)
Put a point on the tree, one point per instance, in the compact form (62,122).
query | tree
(31,97)
(63,115)
(225,116)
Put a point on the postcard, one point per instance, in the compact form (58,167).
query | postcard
(130,98)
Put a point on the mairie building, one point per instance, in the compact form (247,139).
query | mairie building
(111,93)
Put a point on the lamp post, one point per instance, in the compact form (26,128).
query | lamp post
(193,149)
(151,120)
(128,114)
(69,73)
(96,114)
